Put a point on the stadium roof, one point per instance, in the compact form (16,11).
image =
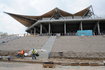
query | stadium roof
(82,12)
(29,20)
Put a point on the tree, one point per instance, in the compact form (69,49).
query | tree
(3,34)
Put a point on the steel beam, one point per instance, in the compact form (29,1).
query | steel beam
(98,26)
(81,26)
(40,28)
(49,30)
(64,28)
(34,31)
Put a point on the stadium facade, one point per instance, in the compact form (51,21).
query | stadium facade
(61,22)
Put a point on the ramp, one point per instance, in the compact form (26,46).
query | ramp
(47,47)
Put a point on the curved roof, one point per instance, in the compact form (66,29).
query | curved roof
(52,12)
(82,12)
(29,20)
(25,20)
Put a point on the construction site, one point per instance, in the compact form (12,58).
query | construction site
(61,39)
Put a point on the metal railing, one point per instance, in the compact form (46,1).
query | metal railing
(74,17)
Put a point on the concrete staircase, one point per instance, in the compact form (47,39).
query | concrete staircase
(8,38)
(47,47)
(79,46)
(25,43)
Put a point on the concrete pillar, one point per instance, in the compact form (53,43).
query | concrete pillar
(98,26)
(31,31)
(40,28)
(81,26)
(49,28)
(64,28)
(34,31)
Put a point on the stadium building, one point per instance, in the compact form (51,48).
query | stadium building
(61,22)
(61,34)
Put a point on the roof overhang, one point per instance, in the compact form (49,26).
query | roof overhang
(25,20)
(65,20)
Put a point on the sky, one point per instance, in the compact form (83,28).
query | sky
(39,7)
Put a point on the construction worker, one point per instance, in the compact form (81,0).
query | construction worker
(33,54)
(20,54)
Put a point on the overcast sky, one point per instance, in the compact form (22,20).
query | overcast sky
(38,7)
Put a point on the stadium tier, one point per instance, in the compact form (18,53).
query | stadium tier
(62,46)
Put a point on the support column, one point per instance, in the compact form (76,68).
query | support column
(34,31)
(98,26)
(31,32)
(49,29)
(64,28)
(81,26)
(94,29)
(40,28)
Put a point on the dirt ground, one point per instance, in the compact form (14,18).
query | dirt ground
(27,66)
